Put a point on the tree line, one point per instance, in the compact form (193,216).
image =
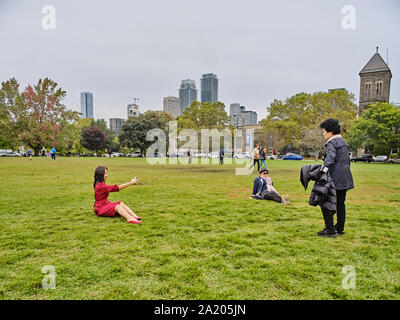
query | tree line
(36,117)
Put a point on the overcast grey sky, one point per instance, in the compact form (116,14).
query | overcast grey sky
(261,50)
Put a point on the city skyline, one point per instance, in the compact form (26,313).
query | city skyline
(277,50)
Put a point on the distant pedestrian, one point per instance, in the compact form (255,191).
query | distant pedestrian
(43,153)
(29,154)
(53,152)
(256,157)
(263,155)
(221,156)
(189,154)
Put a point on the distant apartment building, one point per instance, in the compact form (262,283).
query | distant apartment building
(187,94)
(209,88)
(241,117)
(133,110)
(171,106)
(116,124)
(87,104)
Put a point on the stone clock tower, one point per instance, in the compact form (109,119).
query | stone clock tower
(374,82)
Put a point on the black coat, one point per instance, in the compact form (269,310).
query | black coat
(323,192)
(337,159)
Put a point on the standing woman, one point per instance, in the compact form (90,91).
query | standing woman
(263,155)
(105,208)
(256,155)
(337,163)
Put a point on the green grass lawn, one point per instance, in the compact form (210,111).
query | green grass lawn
(201,236)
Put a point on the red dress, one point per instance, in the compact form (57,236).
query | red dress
(103,207)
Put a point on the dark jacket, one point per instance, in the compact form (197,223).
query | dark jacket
(337,159)
(323,192)
(262,155)
(259,188)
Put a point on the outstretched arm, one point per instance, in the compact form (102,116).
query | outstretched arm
(126,185)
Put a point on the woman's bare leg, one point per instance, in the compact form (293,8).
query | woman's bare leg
(129,210)
(121,210)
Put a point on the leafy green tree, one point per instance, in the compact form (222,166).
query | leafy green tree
(300,114)
(13,114)
(93,138)
(134,131)
(36,117)
(378,129)
(204,115)
(111,139)
(76,133)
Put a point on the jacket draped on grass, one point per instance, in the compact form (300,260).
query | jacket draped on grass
(323,192)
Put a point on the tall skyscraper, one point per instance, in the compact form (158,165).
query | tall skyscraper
(116,124)
(87,104)
(241,117)
(171,105)
(209,88)
(187,94)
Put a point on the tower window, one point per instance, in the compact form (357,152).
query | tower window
(367,88)
(379,88)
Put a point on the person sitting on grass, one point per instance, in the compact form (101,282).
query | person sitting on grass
(105,208)
(263,189)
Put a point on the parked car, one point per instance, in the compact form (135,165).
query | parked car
(395,160)
(134,155)
(200,155)
(179,154)
(271,157)
(363,158)
(10,153)
(380,158)
(117,154)
(242,155)
(292,156)
(214,155)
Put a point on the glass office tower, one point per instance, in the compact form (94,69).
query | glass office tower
(209,88)
(87,104)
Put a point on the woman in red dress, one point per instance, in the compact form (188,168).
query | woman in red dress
(105,208)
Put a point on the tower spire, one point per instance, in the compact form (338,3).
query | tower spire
(377,49)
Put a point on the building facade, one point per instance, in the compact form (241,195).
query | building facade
(375,80)
(133,110)
(171,105)
(209,88)
(87,104)
(116,124)
(240,116)
(187,94)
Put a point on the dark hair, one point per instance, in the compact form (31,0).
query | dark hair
(331,125)
(99,175)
